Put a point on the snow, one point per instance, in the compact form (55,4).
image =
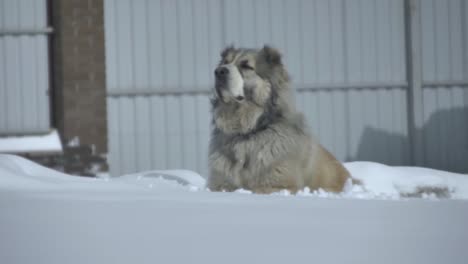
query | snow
(382,180)
(17,173)
(169,217)
(378,181)
(33,143)
(74,142)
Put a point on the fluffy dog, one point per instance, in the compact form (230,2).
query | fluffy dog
(259,141)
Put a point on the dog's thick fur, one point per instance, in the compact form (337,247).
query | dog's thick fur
(259,141)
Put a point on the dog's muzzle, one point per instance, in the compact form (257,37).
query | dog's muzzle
(221,73)
(229,82)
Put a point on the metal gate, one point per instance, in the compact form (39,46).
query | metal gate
(24,72)
(377,80)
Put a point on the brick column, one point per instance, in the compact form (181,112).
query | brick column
(79,88)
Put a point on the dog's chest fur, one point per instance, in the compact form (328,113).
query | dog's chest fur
(233,119)
(248,161)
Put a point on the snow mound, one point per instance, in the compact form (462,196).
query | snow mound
(170,217)
(19,173)
(396,182)
(378,181)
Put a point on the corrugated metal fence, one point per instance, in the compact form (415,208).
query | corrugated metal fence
(348,60)
(24,73)
(445,83)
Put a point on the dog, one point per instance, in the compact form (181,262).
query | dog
(259,141)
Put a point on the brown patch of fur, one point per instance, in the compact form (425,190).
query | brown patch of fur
(329,174)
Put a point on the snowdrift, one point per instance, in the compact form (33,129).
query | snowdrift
(169,217)
(379,181)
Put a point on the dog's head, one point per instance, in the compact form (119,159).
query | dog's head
(248,75)
(251,89)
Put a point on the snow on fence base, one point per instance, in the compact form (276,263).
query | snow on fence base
(49,217)
(48,143)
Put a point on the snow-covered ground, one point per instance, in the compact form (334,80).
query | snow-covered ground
(49,142)
(169,217)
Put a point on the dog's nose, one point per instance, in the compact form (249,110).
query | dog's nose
(221,72)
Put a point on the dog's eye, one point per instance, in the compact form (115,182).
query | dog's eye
(245,65)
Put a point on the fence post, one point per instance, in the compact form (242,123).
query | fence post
(414,75)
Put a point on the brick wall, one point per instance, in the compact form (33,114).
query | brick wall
(78,72)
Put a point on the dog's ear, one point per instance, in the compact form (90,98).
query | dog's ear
(226,51)
(271,55)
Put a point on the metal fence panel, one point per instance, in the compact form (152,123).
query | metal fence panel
(366,124)
(158,132)
(162,46)
(443,46)
(445,83)
(24,73)
(347,60)
(446,128)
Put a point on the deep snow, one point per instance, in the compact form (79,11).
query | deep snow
(169,217)
(379,181)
